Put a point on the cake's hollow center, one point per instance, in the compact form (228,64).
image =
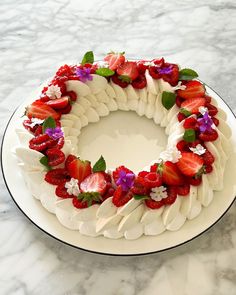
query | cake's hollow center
(123,138)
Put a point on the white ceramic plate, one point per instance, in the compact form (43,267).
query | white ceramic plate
(122,138)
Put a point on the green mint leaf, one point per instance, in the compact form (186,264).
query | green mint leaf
(125,78)
(44,162)
(168,99)
(189,135)
(89,197)
(49,123)
(187,74)
(185,112)
(88,58)
(140,197)
(100,165)
(104,72)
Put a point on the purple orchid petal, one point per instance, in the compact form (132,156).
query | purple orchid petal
(84,74)
(205,123)
(166,71)
(54,133)
(125,180)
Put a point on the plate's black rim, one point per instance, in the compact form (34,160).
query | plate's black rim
(97,252)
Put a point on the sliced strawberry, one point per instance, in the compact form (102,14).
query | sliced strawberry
(142,67)
(190,164)
(192,105)
(59,103)
(95,182)
(172,196)
(69,159)
(65,110)
(179,101)
(41,111)
(79,169)
(140,82)
(61,192)
(193,89)
(173,77)
(212,110)
(208,98)
(190,123)
(171,174)
(115,60)
(79,204)
(40,142)
(120,198)
(208,158)
(154,72)
(154,204)
(128,71)
(55,157)
(119,82)
(57,176)
(183,190)
(154,168)
(109,192)
(209,135)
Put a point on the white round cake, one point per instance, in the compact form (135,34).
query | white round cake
(121,203)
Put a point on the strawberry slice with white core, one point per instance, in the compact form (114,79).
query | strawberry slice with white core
(190,164)
(192,105)
(170,173)
(95,182)
(128,71)
(114,60)
(193,89)
(41,111)
(59,103)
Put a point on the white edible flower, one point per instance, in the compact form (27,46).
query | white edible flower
(102,64)
(179,86)
(202,110)
(158,193)
(53,92)
(72,187)
(172,154)
(34,122)
(149,63)
(199,150)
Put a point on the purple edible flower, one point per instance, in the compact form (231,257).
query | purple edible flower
(126,180)
(84,74)
(166,71)
(205,123)
(54,133)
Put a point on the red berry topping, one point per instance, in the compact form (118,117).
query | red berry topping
(120,198)
(194,180)
(171,174)
(69,159)
(41,111)
(192,105)
(212,110)
(65,71)
(57,176)
(153,168)
(179,101)
(79,204)
(61,192)
(209,135)
(72,95)
(154,72)
(138,187)
(58,144)
(116,173)
(190,164)
(140,82)
(207,98)
(183,190)
(208,169)
(55,157)
(154,204)
(141,66)
(115,60)
(95,182)
(38,130)
(152,179)
(66,110)
(128,71)
(79,169)
(193,89)
(40,142)
(119,82)
(173,77)
(172,195)
(208,158)
(181,117)
(190,123)
(215,121)
(27,123)
(59,103)
(182,145)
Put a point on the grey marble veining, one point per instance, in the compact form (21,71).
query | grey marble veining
(37,37)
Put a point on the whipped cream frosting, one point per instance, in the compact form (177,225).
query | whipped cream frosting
(97,99)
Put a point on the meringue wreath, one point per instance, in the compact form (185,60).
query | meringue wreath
(97,201)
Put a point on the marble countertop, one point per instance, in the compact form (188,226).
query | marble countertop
(37,37)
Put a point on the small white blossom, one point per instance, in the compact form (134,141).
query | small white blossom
(203,110)
(34,122)
(199,150)
(72,187)
(102,64)
(158,193)
(149,63)
(53,92)
(179,86)
(172,154)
